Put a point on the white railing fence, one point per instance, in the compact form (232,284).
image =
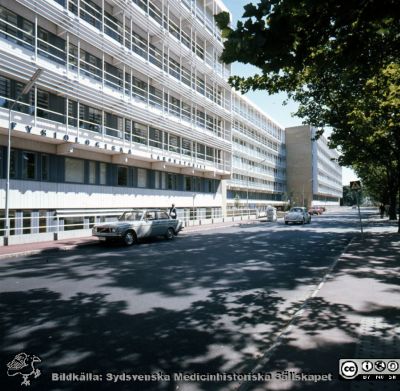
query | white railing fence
(59,224)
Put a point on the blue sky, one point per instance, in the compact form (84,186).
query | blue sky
(271,104)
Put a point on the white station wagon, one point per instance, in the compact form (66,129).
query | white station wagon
(136,224)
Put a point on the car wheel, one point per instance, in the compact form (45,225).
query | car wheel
(129,238)
(287,222)
(170,234)
(303,222)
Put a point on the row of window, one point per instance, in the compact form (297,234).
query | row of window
(254,167)
(259,154)
(325,198)
(257,136)
(122,31)
(245,110)
(21,31)
(243,195)
(57,108)
(330,179)
(262,184)
(30,165)
(332,171)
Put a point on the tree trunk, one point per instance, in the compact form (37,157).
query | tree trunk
(392,204)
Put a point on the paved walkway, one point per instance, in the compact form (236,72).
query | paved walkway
(354,313)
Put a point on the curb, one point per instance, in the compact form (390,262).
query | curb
(265,358)
(46,249)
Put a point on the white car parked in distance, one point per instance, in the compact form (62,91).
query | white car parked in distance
(299,215)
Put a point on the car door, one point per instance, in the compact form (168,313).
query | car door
(147,224)
(163,222)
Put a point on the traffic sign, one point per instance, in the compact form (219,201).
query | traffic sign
(355,185)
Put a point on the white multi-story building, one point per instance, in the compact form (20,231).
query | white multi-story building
(132,109)
(314,177)
(258,158)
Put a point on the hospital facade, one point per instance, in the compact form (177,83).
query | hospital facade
(132,109)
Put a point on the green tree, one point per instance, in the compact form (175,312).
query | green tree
(329,56)
(349,198)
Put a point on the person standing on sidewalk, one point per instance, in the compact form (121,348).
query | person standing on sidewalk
(172,212)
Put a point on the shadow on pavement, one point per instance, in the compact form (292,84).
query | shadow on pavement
(208,302)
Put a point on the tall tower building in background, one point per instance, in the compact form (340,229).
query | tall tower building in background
(314,176)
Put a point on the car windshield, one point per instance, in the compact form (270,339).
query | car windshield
(135,215)
(297,210)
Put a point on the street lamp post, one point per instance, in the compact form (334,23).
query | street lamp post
(247,190)
(27,88)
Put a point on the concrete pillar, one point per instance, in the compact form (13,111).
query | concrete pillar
(35,222)
(19,223)
(86,223)
(223,189)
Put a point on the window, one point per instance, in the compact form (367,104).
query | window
(72,112)
(174,143)
(103,173)
(139,133)
(171,181)
(200,119)
(113,27)
(174,68)
(186,147)
(139,89)
(201,151)
(122,176)
(186,112)
(157,180)
(92,173)
(73,56)
(156,138)
(90,118)
(28,165)
(51,46)
(91,13)
(141,177)
(163,180)
(74,170)
(174,106)
(162,216)
(155,97)
(91,65)
(5,85)
(188,183)
(210,154)
(50,106)
(44,175)
(113,76)
(113,125)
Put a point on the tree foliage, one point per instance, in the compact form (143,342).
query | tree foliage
(340,60)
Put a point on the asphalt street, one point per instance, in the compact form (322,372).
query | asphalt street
(212,301)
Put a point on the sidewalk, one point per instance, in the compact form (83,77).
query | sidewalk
(354,313)
(17,250)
